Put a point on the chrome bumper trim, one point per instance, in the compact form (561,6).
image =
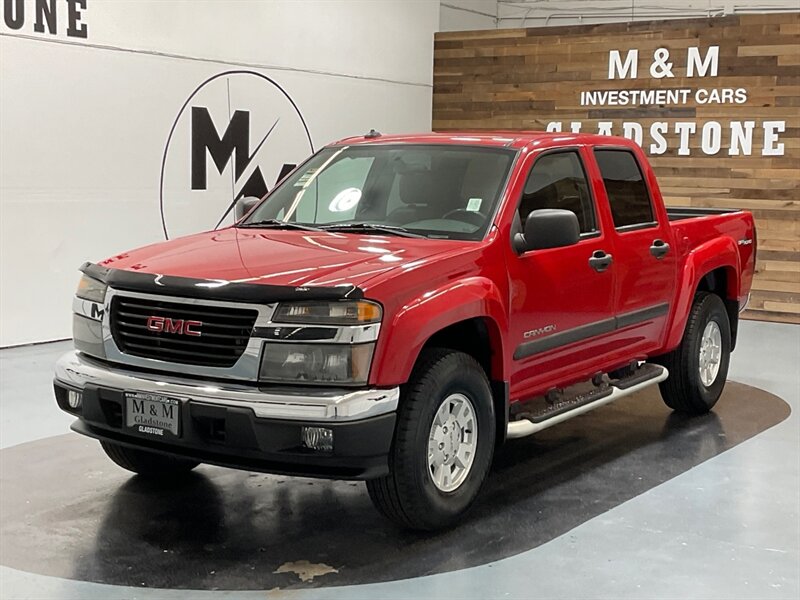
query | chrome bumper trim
(75,370)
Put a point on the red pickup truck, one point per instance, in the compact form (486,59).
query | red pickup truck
(398,306)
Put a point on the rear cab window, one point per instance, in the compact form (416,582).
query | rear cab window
(628,196)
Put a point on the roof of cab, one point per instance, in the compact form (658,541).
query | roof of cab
(498,138)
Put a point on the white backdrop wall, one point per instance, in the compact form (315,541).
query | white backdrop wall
(541,13)
(464,15)
(84,120)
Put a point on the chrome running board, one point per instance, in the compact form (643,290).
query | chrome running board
(627,386)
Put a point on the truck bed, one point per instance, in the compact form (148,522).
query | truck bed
(695,227)
(678,213)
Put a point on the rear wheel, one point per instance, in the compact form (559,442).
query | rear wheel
(698,367)
(443,446)
(147,464)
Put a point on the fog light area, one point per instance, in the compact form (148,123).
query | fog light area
(318,438)
(74,399)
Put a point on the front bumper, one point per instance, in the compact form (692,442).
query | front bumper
(238,425)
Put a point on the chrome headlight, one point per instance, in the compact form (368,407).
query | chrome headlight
(309,363)
(316,363)
(343,312)
(91,289)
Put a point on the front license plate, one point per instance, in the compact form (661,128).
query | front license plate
(152,414)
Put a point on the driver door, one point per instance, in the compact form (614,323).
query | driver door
(561,304)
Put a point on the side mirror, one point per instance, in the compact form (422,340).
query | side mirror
(548,228)
(244,205)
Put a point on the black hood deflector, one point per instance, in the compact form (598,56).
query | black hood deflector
(215,289)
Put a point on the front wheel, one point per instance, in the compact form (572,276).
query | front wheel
(698,367)
(443,446)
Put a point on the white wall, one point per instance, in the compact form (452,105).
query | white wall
(84,121)
(540,13)
(464,15)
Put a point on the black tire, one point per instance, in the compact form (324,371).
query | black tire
(408,495)
(684,390)
(147,464)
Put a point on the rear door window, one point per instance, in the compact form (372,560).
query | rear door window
(625,187)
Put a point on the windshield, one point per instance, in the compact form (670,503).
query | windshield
(432,190)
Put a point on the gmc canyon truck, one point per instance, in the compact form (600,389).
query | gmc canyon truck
(399,306)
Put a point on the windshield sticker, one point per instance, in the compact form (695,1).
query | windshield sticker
(345,200)
(305,177)
(474,204)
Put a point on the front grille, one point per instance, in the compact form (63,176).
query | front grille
(225,331)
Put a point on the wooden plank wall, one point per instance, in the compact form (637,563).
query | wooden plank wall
(528,78)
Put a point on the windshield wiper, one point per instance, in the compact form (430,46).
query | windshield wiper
(278,224)
(377,227)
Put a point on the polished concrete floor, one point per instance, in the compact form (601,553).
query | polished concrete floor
(626,502)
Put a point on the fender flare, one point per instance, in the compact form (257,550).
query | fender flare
(419,319)
(721,252)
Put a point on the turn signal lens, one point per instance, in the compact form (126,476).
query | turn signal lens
(368,312)
(91,289)
(345,312)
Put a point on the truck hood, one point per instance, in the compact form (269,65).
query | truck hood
(281,257)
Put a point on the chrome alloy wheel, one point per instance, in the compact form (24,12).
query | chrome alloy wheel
(710,353)
(452,443)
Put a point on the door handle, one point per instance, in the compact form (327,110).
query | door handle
(659,249)
(600,261)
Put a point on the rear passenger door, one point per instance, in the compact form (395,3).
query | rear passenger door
(644,261)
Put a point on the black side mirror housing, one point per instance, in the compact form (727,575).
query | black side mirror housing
(548,228)
(244,205)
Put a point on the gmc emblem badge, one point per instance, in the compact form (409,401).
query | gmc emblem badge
(177,326)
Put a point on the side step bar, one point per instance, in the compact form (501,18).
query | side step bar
(650,375)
